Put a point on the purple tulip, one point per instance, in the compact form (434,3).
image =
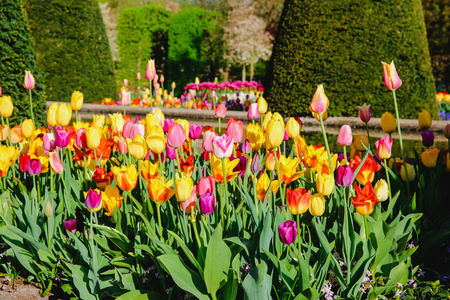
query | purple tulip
(170,152)
(195,131)
(256,164)
(34,166)
(427,138)
(241,166)
(167,123)
(344,175)
(207,203)
(62,137)
(70,225)
(93,199)
(288,232)
(246,148)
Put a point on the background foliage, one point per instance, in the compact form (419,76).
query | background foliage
(142,35)
(343,49)
(72,49)
(17,55)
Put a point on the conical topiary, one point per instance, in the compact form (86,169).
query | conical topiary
(341,44)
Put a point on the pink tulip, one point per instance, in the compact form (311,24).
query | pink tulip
(93,199)
(221,110)
(0,90)
(29,80)
(127,128)
(213,94)
(80,138)
(391,79)
(137,129)
(345,137)
(207,203)
(170,152)
(206,185)
(161,79)
(123,145)
(167,123)
(207,141)
(195,131)
(222,146)
(138,76)
(55,163)
(253,111)
(62,137)
(286,137)
(246,147)
(384,147)
(176,135)
(49,141)
(235,130)
(320,102)
(34,166)
(364,113)
(125,98)
(70,225)
(151,71)
(125,82)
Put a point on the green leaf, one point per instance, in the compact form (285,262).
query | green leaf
(217,262)
(117,237)
(186,250)
(80,281)
(183,276)
(257,284)
(308,294)
(140,295)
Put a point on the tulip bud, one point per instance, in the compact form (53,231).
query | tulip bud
(424,120)
(222,146)
(388,123)
(6,106)
(253,111)
(62,137)
(197,80)
(70,225)
(429,157)
(123,145)
(292,128)
(29,80)
(246,147)
(93,138)
(274,134)
(221,110)
(235,130)
(345,137)
(381,190)
(125,82)
(138,76)
(325,183)
(27,128)
(317,205)
(173,85)
(427,138)
(287,232)
(76,101)
(207,203)
(93,200)
(63,114)
(270,161)
(176,135)
(256,164)
(411,173)
(48,210)
(183,188)
(344,175)
(262,105)
(391,79)
(384,147)
(138,147)
(195,131)
(161,79)
(298,200)
(364,113)
(49,141)
(34,166)
(361,142)
(151,72)
(320,102)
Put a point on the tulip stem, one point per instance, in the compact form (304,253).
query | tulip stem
(9,131)
(76,116)
(220,129)
(401,141)
(178,160)
(254,194)
(345,155)
(225,187)
(159,221)
(279,177)
(326,144)
(366,229)
(151,100)
(160,164)
(194,225)
(31,107)
(387,179)
(368,135)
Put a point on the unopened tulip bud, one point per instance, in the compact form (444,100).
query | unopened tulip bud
(64,114)
(364,112)
(320,102)
(287,232)
(6,106)
(173,85)
(391,79)
(388,123)
(27,128)
(292,128)
(317,205)
(29,81)
(138,76)
(411,173)
(76,101)
(345,137)
(361,142)
(262,105)
(270,161)
(427,138)
(253,111)
(256,164)
(424,120)
(381,190)
(429,157)
(48,210)
(246,147)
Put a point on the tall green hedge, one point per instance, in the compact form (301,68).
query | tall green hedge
(17,55)
(195,45)
(142,35)
(72,49)
(341,44)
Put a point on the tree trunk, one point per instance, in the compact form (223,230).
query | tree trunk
(251,67)
(243,72)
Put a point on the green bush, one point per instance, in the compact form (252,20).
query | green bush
(17,55)
(195,45)
(142,35)
(341,44)
(72,49)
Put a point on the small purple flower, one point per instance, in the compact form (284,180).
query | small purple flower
(207,203)
(93,199)
(34,166)
(195,131)
(427,138)
(70,225)
(288,232)
(241,166)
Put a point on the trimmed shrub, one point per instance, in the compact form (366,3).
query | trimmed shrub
(72,49)
(142,35)
(195,45)
(341,44)
(17,55)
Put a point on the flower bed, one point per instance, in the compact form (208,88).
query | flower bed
(159,208)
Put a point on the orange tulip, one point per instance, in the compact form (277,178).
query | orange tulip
(365,199)
(367,171)
(298,200)
(126,177)
(159,190)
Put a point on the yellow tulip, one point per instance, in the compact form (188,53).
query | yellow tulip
(111,199)
(262,105)
(93,137)
(4,132)
(429,157)
(411,172)
(360,141)
(6,106)
(381,190)
(151,120)
(262,184)
(27,128)
(148,169)
(266,120)
(63,114)
(183,188)
(51,115)
(159,190)
(424,120)
(76,101)
(274,134)
(289,169)
(138,147)
(317,205)
(217,169)
(388,123)
(98,121)
(117,122)
(292,128)
(325,183)
(255,136)
(125,177)
(8,156)
(156,140)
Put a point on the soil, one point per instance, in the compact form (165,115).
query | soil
(23,291)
